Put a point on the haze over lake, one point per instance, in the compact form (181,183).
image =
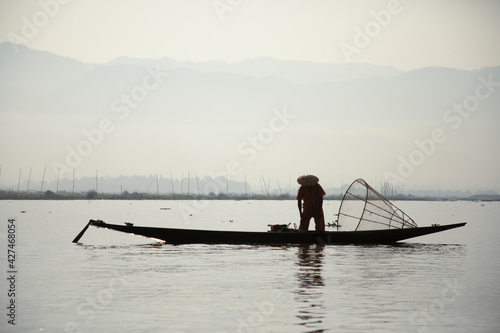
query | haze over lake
(116,97)
(260,117)
(114,282)
(385,90)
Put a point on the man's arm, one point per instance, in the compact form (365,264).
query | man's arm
(299,204)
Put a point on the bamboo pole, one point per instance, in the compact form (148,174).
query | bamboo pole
(157,187)
(57,183)
(28,186)
(19,181)
(197,184)
(172,183)
(246,192)
(43,179)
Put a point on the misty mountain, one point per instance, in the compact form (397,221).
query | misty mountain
(37,79)
(197,114)
(37,71)
(299,72)
(58,84)
(217,91)
(42,75)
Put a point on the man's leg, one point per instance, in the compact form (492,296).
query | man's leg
(304,222)
(319,220)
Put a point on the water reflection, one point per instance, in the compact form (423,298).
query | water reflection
(311,310)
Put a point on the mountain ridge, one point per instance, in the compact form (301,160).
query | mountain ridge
(199,117)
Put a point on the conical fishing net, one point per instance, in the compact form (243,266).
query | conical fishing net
(363,208)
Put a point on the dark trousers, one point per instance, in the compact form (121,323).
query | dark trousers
(319,220)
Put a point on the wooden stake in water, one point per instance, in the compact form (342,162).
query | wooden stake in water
(19,181)
(28,186)
(172,183)
(43,178)
(246,193)
(197,184)
(157,187)
(182,181)
(152,181)
(261,187)
(266,186)
(57,184)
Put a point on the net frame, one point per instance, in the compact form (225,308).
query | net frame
(376,210)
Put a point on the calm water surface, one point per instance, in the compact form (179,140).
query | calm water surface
(113,282)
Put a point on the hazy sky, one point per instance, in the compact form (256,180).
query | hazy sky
(405,34)
(452,33)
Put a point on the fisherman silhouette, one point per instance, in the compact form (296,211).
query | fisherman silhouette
(310,202)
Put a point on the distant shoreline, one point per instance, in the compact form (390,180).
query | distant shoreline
(92,195)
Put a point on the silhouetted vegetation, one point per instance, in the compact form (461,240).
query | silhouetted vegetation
(93,195)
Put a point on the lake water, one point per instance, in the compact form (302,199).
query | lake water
(114,282)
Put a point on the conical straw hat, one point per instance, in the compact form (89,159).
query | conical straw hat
(307,180)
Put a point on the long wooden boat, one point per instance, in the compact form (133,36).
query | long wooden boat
(365,217)
(284,236)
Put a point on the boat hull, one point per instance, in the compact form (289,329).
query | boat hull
(193,236)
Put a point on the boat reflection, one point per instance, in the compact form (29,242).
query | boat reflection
(309,294)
